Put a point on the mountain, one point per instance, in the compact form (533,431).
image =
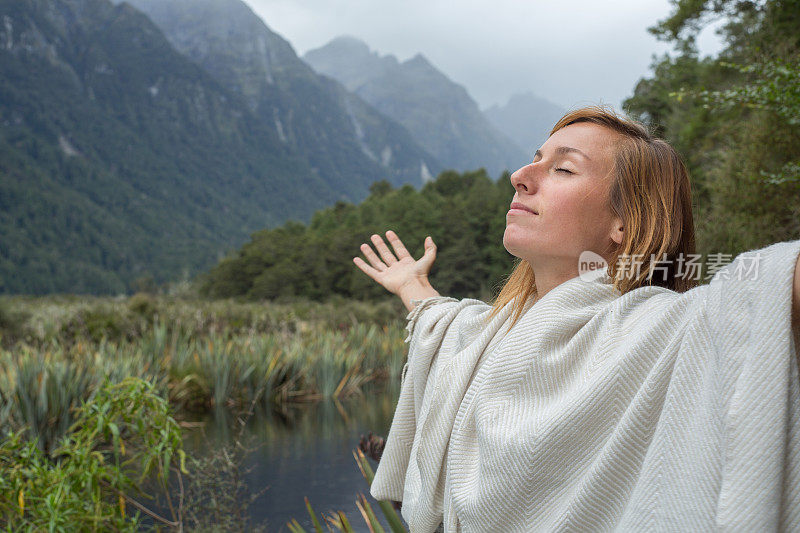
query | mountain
(527,119)
(120,158)
(439,113)
(347,142)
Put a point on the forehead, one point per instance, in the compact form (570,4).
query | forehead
(594,140)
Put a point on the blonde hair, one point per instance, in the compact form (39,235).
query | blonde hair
(650,192)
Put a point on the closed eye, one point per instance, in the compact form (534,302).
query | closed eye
(564,170)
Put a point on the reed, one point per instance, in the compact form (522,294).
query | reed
(215,355)
(67,319)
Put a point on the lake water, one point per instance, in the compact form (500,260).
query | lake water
(307,450)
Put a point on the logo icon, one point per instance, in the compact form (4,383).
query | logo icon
(591,266)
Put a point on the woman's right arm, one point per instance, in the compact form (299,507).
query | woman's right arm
(401,274)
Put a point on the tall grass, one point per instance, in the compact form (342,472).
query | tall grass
(201,355)
(37,321)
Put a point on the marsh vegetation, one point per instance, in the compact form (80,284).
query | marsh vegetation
(196,360)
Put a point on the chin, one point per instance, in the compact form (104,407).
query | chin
(511,247)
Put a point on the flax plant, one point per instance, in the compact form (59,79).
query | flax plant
(217,356)
(42,392)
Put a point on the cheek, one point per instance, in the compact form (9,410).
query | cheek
(576,217)
(567,213)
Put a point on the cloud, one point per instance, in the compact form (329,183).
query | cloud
(571,52)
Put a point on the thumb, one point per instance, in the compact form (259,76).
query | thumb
(426,261)
(430,247)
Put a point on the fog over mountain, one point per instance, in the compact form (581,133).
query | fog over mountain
(438,112)
(559,50)
(527,119)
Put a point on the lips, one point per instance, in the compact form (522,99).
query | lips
(517,205)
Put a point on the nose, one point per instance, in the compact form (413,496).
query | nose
(524,179)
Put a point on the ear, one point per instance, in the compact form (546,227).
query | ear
(617,231)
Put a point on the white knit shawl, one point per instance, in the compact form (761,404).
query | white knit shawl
(651,411)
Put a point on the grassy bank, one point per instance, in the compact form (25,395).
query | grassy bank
(57,351)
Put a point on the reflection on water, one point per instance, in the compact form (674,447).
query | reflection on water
(305,451)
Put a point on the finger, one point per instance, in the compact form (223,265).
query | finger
(368,270)
(397,244)
(387,256)
(376,263)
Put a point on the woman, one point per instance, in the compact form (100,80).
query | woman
(614,397)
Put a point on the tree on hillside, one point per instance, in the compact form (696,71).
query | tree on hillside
(464,213)
(734,118)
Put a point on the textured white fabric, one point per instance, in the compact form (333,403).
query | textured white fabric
(650,411)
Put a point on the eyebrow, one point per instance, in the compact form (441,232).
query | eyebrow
(564,150)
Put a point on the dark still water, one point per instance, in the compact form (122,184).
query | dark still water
(306,450)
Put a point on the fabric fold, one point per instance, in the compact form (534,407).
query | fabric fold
(408,476)
(653,410)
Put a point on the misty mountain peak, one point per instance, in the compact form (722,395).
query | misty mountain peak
(350,61)
(419,60)
(419,67)
(349,43)
(437,111)
(526,118)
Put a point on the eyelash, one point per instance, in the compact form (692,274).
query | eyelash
(564,170)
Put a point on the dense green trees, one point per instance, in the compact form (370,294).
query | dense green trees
(464,213)
(734,118)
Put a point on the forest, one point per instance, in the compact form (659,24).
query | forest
(464,213)
(733,118)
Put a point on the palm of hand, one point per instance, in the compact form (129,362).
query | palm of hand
(394,272)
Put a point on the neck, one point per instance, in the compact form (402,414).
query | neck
(549,277)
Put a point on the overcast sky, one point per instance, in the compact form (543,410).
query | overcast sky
(571,52)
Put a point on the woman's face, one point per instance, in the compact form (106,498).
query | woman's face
(567,185)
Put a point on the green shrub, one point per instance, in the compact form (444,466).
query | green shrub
(92,480)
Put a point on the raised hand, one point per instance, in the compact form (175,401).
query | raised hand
(396,272)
